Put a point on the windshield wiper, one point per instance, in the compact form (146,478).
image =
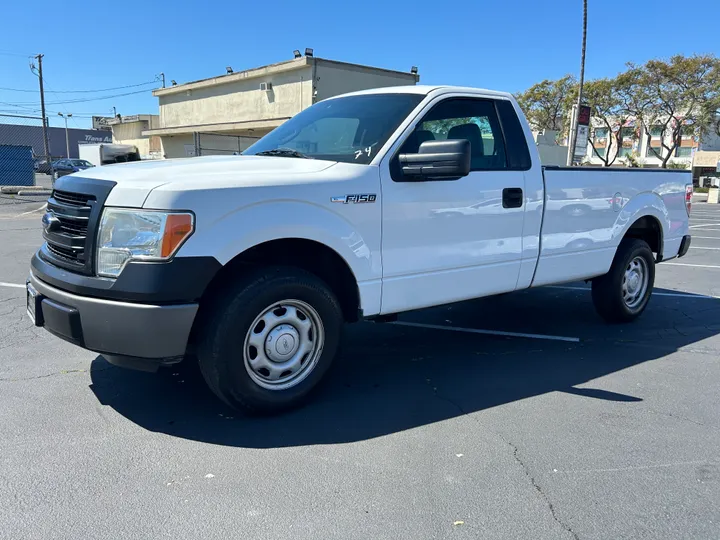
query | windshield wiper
(283,152)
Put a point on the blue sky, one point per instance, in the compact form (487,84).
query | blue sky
(506,45)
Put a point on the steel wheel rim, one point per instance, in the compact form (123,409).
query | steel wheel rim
(635,282)
(283,345)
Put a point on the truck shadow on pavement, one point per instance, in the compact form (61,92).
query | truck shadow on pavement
(390,378)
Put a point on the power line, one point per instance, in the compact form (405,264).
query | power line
(80,100)
(78,91)
(85,100)
(10,53)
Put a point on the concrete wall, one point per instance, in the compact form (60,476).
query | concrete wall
(239,101)
(335,78)
(131,133)
(174,146)
(131,130)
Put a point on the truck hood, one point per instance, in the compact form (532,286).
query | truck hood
(134,181)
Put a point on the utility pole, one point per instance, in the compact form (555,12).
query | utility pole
(162,75)
(574,127)
(42,109)
(67,137)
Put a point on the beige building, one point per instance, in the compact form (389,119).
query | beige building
(706,163)
(130,130)
(226,114)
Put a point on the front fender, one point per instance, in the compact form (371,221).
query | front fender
(236,232)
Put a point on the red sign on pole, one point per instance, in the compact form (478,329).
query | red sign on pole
(584,116)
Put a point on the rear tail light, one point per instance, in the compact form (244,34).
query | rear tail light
(688,198)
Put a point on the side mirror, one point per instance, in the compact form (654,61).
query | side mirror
(437,160)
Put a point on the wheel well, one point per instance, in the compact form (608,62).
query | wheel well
(309,255)
(647,228)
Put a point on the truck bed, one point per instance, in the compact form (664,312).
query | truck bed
(587,211)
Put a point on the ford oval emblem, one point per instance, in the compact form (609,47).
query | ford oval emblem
(50,222)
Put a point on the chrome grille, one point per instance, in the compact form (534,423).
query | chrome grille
(72,199)
(67,243)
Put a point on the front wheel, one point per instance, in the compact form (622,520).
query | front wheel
(623,293)
(270,340)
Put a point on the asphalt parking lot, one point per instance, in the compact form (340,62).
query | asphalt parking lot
(547,424)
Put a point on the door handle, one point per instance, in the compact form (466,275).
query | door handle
(512,198)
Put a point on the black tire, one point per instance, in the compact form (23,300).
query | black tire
(222,342)
(607,290)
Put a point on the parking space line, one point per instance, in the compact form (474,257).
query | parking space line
(700,247)
(706,237)
(487,332)
(43,207)
(676,295)
(692,265)
(705,225)
(12,285)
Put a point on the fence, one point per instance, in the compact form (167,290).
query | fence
(22,151)
(220,144)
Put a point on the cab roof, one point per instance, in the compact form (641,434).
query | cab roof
(428,89)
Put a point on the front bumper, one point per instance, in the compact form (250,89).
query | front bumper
(141,336)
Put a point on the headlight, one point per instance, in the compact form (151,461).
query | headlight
(135,234)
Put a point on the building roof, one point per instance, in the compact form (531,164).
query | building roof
(263,71)
(126,119)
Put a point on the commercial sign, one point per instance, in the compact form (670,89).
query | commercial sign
(102,122)
(581,141)
(93,139)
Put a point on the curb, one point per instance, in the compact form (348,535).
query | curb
(17,190)
(33,193)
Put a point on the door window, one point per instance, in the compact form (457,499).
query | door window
(463,118)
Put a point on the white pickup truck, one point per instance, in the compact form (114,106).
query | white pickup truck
(362,206)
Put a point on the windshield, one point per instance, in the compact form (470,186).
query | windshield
(350,129)
(80,163)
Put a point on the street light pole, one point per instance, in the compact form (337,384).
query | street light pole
(67,137)
(574,127)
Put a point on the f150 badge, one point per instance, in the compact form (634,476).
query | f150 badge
(355,199)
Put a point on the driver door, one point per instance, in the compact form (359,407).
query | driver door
(451,240)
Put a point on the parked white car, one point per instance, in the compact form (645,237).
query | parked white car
(362,206)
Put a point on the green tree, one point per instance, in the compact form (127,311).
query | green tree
(608,112)
(547,104)
(680,96)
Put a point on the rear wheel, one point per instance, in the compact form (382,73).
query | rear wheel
(623,293)
(271,340)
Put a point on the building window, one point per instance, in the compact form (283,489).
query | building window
(601,133)
(683,151)
(654,152)
(656,131)
(628,132)
(625,152)
(600,152)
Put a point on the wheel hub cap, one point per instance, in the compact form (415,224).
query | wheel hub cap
(282,343)
(635,282)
